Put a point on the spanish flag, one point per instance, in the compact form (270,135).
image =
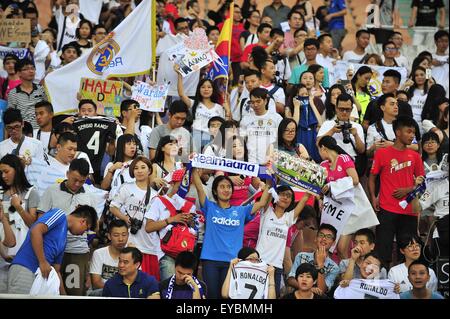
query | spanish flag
(221,66)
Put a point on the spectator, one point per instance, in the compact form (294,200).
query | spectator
(250,36)
(296,22)
(105,261)
(218,146)
(411,248)
(362,41)
(306,276)
(263,33)
(273,85)
(277,11)
(131,282)
(440,70)
(327,56)
(360,86)
(424,15)
(327,268)
(84,34)
(389,53)
(44,246)
(18,144)
(164,161)
(330,103)
(419,276)
(12,79)
(333,128)
(401,60)
(318,90)
(98,34)
(283,69)
(25,96)
(400,171)
(297,54)
(19,199)
(336,24)
(183,284)
(287,132)
(7,240)
(66,20)
(44,114)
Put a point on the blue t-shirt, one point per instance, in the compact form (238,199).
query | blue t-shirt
(54,241)
(409,295)
(336,6)
(224,233)
(143,286)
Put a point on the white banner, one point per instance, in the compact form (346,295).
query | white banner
(225,165)
(125,52)
(150,97)
(367,289)
(336,213)
(193,53)
(340,73)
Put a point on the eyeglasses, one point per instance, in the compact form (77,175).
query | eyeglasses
(14,127)
(327,236)
(412,247)
(390,49)
(344,110)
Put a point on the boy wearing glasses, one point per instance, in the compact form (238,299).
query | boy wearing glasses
(328,270)
(18,144)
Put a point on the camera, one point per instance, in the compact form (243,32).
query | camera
(276,57)
(136,224)
(12,209)
(345,126)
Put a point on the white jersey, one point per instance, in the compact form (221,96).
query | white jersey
(399,274)
(436,196)
(417,102)
(367,289)
(249,281)
(30,148)
(273,232)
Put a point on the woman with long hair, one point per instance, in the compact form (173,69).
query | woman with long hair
(224,229)
(251,25)
(442,131)
(164,161)
(360,85)
(287,132)
(84,35)
(319,74)
(434,107)
(130,204)
(204,106)
(217,147)
(18,197)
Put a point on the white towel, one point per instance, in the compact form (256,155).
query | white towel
(45,287)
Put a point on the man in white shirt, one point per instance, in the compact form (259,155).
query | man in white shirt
(268,71)
(440,70)
(327,56)
(362,41)
(165,68)
(105,261)
(18,144)
(401,60)
(355,144)
(261,128)
(44,115)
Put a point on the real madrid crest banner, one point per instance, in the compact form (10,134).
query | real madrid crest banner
(126,51)
(341,68)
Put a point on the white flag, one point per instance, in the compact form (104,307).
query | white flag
(126,51)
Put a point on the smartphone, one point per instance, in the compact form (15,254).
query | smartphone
(345,82)
(428,74)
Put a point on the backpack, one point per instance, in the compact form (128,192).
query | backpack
(178,238)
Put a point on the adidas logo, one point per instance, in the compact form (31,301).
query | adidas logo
(226,221)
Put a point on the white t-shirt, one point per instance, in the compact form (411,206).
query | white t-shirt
(399,274)
(327,125)
(247,109)
(130,199)
(116,181)
(440,73)
(91,9)
(417,102)
(30,147)
(352,57)
(63,168)
(373,135)
(165,67)
(367,289)
(261,131)
(327,62)
(273,232)
(69,30)
(158,211)
(249,281)
(103,264)
(44,138)
(204,114)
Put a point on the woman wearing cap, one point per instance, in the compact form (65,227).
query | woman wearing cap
(340,165)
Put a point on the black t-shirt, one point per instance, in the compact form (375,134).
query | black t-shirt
(179,292)
(93,134)
(427,11)
(292,296)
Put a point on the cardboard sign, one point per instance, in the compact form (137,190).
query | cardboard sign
(298,172)
(105,93)
(15,30)
(193,53)
(150,98)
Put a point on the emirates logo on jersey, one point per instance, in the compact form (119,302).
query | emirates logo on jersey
(184,243)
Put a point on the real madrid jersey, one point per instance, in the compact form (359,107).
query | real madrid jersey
(249,281)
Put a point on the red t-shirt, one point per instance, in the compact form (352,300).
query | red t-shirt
(251,232)
(11,85)
(343,163)
(248,50)
(240,193)
(397,169)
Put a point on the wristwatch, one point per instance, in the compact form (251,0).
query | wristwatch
(321,270)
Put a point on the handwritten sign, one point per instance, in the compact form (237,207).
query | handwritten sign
(193,53)
(105,93)
(150,98)
(15,30)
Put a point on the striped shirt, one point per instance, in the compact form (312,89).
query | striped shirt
(25,102)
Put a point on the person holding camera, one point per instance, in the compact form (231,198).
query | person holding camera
(19,199)
(348,135)
(130,204)
(279,57)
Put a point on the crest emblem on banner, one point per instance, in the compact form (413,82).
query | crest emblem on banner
(102,55)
